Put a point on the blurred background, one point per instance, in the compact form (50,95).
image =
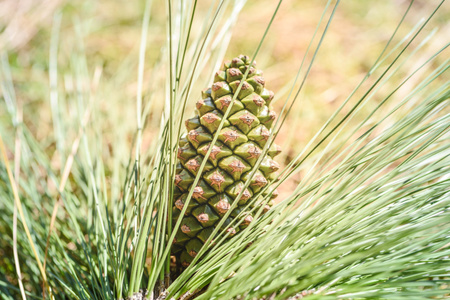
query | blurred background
(101,38)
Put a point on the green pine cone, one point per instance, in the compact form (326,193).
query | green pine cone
(239,146)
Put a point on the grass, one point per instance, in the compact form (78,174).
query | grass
(95,94)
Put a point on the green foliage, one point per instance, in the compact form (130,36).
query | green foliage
(87,175)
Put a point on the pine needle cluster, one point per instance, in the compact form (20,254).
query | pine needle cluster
(88,174)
